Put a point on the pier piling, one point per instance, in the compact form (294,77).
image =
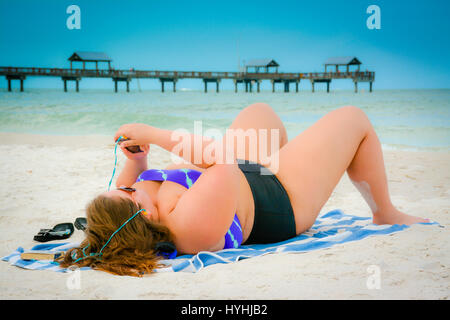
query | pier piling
(216,80)
(15,77)
(123,79)
(327,81)
(76,79)
(173,80)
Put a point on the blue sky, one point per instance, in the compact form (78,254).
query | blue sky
(411,50)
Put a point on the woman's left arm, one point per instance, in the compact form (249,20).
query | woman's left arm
(136,163)
(190,147)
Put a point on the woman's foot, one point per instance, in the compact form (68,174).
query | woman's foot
(395,216)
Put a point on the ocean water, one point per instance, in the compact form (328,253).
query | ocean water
(403,119)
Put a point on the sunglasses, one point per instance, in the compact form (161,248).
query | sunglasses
(130,191)
(127,189)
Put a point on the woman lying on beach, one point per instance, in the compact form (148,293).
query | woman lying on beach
(213,205)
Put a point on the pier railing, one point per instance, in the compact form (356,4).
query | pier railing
(112,73)
(20,73)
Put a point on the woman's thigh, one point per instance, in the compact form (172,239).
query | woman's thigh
(311,165)
(257,131)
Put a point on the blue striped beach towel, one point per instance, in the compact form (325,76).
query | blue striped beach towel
(330,229)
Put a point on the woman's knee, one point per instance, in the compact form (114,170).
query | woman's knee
(259,106)
(354,112)
(356,116)
(259,116)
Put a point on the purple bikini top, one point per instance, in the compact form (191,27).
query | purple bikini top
(187,177)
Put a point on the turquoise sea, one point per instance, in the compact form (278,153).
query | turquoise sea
(403,119)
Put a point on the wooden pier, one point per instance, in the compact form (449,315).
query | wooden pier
(247,78)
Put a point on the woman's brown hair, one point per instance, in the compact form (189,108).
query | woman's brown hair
(131,251)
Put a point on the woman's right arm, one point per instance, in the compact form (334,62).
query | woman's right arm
(136,164)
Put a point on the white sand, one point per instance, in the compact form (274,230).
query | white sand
(48,180)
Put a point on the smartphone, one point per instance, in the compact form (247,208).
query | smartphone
(132,149)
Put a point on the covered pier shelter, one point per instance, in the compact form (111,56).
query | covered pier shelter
(87,56)
(257,64)
(342,61)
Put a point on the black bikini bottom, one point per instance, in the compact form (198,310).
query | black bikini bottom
(274,217)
